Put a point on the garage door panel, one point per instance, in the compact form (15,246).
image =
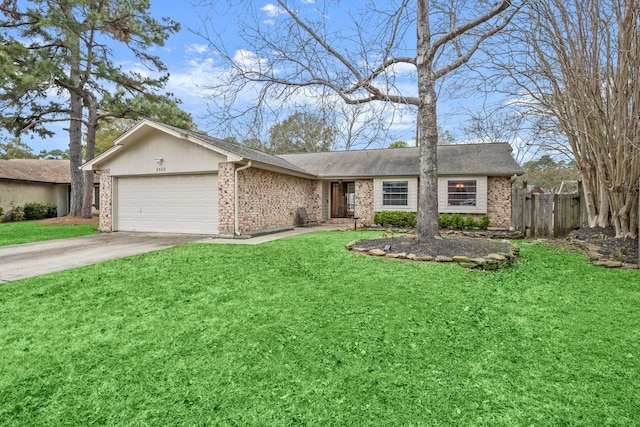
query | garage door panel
(175,204)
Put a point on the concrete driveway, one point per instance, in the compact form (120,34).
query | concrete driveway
(33,259)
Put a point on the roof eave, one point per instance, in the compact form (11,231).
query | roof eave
(89,165)
(31,181)
(273,168)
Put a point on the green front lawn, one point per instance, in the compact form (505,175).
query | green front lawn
(302,332)
(13,233)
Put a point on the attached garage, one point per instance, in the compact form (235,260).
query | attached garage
(167,203)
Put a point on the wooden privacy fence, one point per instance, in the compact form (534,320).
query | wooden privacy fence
(546,215)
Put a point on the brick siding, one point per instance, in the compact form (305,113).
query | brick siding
(266,200)
(499,201)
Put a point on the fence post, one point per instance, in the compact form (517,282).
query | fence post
(583,219)
(556,227)
(534,215)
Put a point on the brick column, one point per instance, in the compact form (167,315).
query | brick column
(499,201)
(226,199)
(364,201)
(106,201)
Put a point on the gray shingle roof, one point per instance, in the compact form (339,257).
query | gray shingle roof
(456,159)
(49,171)
(459,159)
(242,151)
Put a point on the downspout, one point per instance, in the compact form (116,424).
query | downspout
(236,198)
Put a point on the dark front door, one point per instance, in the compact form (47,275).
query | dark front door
(343,199)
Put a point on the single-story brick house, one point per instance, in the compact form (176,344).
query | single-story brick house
(159,178)
(25,181)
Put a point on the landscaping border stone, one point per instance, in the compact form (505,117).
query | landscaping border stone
(490,262)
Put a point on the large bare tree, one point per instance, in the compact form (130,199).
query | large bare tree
(297,49)
(581,63)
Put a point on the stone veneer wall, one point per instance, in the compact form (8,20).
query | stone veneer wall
(267,200)
(364,201)
(106,201)
(499,201)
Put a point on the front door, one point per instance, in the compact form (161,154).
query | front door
(343,197)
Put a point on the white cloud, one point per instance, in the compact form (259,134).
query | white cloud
(248,60)
(196,48)
(272,11)
(190,82)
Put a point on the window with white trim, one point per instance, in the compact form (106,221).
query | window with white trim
(395,193)
(461,193)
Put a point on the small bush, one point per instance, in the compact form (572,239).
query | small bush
(484,222)
(52,211)
(39,211)
(444,220)
(395,219)
(470,222)
(456,221)
(16,214)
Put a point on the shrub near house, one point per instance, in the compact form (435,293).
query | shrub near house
(30,211)
(395,219)
(456,221)
(453,221)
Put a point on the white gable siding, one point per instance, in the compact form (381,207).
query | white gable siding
(178,156)
(481,195)
(412,205)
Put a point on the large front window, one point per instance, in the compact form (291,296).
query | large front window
(461,193)
(395,193)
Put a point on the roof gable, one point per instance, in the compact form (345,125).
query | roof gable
(233,152)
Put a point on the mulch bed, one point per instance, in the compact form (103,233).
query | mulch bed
(601,246)
(598,244)
(71,220)
(448,246)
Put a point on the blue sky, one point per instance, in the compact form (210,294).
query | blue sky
(193,65)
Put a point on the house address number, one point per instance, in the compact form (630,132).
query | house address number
(161,169)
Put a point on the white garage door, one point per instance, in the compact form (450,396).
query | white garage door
(170,204)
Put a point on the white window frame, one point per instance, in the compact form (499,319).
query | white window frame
(481,195)
(412,194)
(462,192)
(388,190)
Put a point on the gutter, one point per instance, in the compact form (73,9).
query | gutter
(236,197)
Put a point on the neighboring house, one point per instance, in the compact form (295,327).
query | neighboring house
(160,178)
(25,181)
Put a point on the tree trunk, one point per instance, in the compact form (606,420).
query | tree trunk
(75,155)
(427,226)
(75,125)
(90,151)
